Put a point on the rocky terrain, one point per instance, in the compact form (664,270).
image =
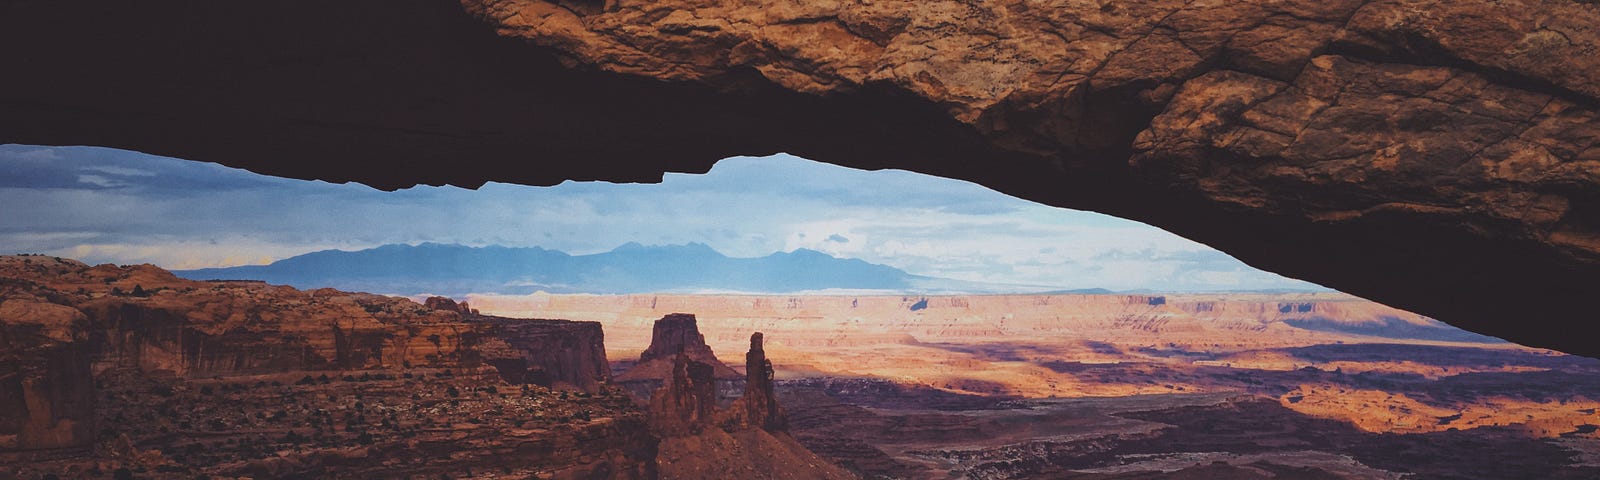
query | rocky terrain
(1436,155)
(108,368)
(672,336)
(750,436)
(963,325)
(1138,386)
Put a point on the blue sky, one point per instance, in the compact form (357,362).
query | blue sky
(111,206)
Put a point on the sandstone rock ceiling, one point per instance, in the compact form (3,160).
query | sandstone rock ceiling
(1436,155)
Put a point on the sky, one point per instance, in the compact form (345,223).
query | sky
(104,205)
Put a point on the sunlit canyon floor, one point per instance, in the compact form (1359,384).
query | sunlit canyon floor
(107,370)
(1137,386)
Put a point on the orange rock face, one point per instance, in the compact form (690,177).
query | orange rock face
(941,340)
(193,329)
(1432,154)
(1023,386)
(1389,134)
(684,404)
(244,378)
(676,334)
(674,339)
(759,408)
(747,439)
(448,305)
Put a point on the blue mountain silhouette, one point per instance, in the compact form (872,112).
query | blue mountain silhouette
(630,268)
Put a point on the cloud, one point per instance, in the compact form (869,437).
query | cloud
(120,171)
(102,168)
(116,206)
(99,181)
(27,153)
(181,254)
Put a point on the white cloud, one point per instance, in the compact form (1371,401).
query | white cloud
(22,152)
(99,181)
(743,207)
(121,171)
(182,254)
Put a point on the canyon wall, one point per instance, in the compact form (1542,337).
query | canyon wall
(91,351)
(1434,155)
(46,390)
(829,322)
(556,353)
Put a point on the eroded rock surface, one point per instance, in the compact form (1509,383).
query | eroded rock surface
(552,353)
(678,348)
(747,439)
(448,305)
(686,401)
(679,333)
(758,407)
(1435,155)
(111,367)
(1391,135)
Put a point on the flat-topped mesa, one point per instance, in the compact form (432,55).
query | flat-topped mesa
(673,335)
(559,354)
(677,333)
(759,405)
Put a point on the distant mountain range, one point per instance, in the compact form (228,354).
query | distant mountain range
(631,268)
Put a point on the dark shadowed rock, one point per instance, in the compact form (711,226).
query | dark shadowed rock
(759,408)
(685,403)
(412,386)
(748,439)
(448,305)
(675,335)
(1435,155)
(553,353)
(672,335)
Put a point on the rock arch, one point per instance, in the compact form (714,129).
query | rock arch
(1436,155)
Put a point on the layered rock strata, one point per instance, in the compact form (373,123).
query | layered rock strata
(749,438)
(687,400)
(676,338)
(758,408)
(1434,155)
(552,353)
(679,333)
(244,378)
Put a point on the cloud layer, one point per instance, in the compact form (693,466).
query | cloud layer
(105,205)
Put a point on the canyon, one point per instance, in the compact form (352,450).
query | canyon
(130,370)
(1433,155)
(705,438)
(109,368)
(1303,385)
